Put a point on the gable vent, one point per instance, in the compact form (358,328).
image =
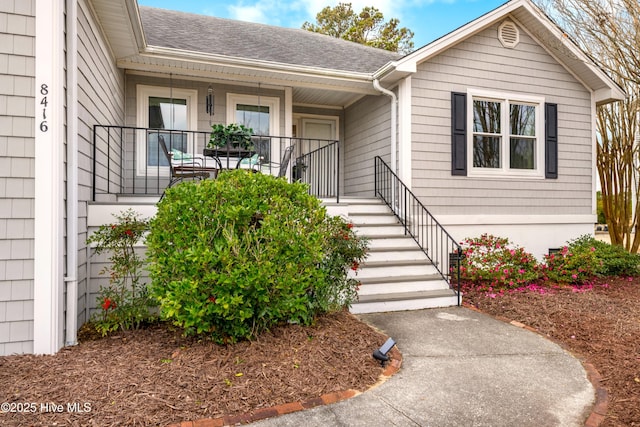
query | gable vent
(508,34)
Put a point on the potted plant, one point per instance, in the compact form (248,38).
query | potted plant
(232,136)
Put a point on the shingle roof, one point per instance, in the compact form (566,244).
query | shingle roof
(239,39)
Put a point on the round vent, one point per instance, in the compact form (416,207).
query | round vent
(508,34)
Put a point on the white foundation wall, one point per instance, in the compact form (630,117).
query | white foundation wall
(536,234)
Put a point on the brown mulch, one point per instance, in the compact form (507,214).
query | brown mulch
(156,376)
(600,324)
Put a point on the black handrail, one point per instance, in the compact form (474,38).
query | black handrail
(437,244)
(117,168)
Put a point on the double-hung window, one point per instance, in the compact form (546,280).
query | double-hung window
(506,137)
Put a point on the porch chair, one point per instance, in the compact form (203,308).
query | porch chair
(286,158)
(254,163)
(184,168)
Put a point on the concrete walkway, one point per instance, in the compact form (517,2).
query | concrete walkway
(462,368)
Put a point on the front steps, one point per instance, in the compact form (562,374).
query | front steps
(396,275)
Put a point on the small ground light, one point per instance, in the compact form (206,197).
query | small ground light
(381,353)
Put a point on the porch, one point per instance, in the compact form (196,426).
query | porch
(129,161)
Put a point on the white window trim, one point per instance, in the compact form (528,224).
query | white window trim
(233,99)
(143,93)
(505,171)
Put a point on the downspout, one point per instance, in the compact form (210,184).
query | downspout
(71,279)
(394,121)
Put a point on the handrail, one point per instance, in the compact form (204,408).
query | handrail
(436,243)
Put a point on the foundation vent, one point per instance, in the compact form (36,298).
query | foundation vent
(508,34)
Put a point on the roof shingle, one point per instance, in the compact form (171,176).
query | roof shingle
(247,40)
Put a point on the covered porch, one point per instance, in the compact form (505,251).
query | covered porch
(131,161)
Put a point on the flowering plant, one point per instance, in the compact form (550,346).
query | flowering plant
(345,251)
(125,302)
(493,263)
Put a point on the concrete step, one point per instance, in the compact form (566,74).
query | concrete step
(390,270)
(363,219)
(396,274)
(402,284)
(404,301)
(395,255)
(373,231)
(388,243)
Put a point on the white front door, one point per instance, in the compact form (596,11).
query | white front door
(319,128)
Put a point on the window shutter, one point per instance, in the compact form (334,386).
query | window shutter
(551,140)
(458,133)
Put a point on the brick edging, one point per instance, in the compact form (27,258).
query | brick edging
(260,414)
(599,408)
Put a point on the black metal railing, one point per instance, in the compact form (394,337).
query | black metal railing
(311,167)
(128,160)
(437,244)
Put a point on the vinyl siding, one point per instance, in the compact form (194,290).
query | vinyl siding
(100,101)
(367,134)
(17,72)
(481,62)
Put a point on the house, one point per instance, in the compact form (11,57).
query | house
(491,127)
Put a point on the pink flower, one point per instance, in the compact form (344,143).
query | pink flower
(521,271)
(574,276)
(593,249)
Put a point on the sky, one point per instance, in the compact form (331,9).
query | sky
(428,19)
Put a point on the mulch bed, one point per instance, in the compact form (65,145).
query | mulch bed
(600,324)
(155,376)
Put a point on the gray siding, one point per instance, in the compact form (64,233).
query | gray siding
(366,135)
(101,101)
(482,63)
(17,72)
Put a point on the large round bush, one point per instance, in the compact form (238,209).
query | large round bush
(233,256)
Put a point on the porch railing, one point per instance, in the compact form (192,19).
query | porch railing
(437,244)
(127,160)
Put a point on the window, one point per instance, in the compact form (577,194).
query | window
(162,108)
(505,137)
(260,113)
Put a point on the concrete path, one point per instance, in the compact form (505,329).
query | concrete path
(462,368)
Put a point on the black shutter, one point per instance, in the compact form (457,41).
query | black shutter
(551,140)
(458,133)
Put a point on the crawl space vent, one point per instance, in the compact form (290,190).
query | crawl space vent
(508,34)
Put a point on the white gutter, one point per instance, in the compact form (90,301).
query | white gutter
(394,121)
(71,278)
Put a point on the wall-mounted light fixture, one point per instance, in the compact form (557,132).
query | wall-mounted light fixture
(210,101)
(381,353)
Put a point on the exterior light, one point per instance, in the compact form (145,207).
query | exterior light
(381,353)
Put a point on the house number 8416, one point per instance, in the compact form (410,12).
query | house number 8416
(44,91)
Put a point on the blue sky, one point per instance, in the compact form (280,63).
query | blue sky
(428,19)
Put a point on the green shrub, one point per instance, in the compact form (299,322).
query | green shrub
(234,256)
(125,303)
(610,260)
(569,266)
(493,263)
